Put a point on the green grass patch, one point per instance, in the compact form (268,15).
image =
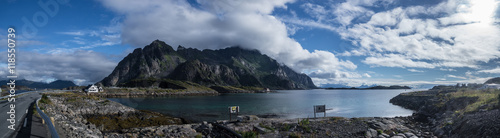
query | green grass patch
(285,127)
(250,134)
(294,135)
(304,123)
(485,97)
(45,99)
(267,127)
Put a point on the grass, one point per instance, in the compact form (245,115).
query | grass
(335,119)
(35,112)
(135,86)
(305,124)
(285,127)
(45,99)
(267,127)
(294,135)
(489,97)
(249,134)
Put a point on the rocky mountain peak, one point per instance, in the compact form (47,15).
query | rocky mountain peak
(232,66)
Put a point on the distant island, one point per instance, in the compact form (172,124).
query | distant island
(372,88)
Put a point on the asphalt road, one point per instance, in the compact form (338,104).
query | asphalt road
(22,104)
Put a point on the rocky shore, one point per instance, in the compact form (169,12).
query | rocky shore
(151,93)
(455,113)
(399,127)
(461,113)
(79,115)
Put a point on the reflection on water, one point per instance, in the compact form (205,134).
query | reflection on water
(286,103)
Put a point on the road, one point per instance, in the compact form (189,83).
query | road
(22,104)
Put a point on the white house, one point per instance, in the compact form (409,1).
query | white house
(491,86)
(93,88)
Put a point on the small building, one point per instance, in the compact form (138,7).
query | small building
(491,86)
(93,88)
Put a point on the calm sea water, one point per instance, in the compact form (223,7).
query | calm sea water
(286,104)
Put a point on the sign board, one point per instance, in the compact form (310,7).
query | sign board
(234,109)
(319,108)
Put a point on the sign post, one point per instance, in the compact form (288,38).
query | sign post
(232,110)
(319,109)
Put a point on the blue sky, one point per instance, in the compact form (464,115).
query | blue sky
(348,42)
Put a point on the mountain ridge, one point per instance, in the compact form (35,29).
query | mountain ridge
(232,66)
(58,84)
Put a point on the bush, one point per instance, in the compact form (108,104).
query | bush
(498,99)
(305,125)
(250,134)
(266,127)
(45,99)
(294,135)
(285,127)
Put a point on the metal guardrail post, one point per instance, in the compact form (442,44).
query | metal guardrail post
(52,129)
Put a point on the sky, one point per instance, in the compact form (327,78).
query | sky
(335,42)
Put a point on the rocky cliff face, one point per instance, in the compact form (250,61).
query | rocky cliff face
(232,66)
(454,113)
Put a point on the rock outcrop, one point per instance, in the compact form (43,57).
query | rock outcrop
(232,66)
(451,112)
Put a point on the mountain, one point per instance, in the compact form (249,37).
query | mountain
(58,84)
(333,85)
(367,86)
(493,81)
(233,66)
(389,87)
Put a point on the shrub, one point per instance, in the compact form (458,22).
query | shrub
(265,126)
(285,127)
(250,134)
(294,135)
(45,99)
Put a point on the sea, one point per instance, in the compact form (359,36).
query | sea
(280,104)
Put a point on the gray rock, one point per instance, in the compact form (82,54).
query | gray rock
(408,134)
(371,132)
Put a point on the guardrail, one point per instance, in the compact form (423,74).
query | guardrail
(52,129)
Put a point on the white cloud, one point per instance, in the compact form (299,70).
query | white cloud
(492,71)
(447,69)
(82,67)
(76,33)
(220,24)
(453,76)
(414,70)
(90,38)
(405,36)
(394,60)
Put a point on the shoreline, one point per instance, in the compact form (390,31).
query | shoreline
(156,92)
(71,111)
